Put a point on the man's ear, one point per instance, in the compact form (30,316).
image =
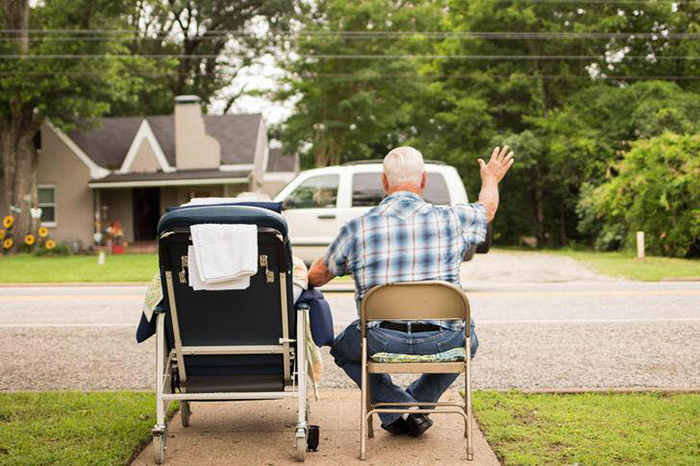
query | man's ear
(385,184)
(423,181)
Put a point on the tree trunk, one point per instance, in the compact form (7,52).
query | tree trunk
(17,130)
(19,162)
(562,225)
(538,198)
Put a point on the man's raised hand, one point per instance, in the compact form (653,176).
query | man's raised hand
(498,165)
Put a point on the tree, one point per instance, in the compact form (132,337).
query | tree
(656,190)
(196,47)
(508,85)
(69,92)
(353,91)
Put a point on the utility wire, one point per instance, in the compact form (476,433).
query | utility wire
(362,57)
(380,34)
(356,77)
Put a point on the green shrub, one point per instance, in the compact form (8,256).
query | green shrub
(656,190)
(61,249)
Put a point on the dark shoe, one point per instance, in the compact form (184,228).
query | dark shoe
(418,424)
(398,427)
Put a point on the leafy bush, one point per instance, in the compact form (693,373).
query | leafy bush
(656,190)
(61,249)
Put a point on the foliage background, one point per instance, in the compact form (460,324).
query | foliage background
(584,92)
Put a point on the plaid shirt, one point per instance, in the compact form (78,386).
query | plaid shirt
(405,239)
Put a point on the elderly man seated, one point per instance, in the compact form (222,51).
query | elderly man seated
(405,239)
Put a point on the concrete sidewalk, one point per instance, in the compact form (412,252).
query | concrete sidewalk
(261,433)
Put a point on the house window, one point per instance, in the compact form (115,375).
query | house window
(47,204)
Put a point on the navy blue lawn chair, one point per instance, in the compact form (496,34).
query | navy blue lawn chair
(234,344)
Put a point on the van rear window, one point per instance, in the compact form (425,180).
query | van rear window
(367,189)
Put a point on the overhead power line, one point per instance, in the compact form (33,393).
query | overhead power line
(107,33)
(369,77)
(361,57)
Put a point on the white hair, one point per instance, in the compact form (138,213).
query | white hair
(404,165)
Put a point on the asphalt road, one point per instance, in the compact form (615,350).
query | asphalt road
(532,335)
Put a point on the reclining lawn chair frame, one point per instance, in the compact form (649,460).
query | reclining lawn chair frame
(429,300)
(231,344)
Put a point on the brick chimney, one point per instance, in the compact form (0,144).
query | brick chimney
(194,148)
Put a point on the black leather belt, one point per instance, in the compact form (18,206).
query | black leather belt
(417,327)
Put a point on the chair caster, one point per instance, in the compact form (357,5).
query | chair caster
(301,444)
(159,438)
(185,413)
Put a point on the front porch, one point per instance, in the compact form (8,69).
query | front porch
(136,201)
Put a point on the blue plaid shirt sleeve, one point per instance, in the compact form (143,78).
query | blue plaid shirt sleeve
(339,252)
(472,222)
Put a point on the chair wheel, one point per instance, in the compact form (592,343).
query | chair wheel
(159,447)
(314,435)
(301,447)
(185,413)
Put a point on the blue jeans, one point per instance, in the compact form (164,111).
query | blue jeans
(347,351)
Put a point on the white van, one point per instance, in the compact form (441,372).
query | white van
(318,202)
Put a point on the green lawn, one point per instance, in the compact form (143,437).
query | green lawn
(24,268)
(621,264)
(595,429)
(74,428)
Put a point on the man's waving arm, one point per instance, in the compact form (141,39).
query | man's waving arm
(491,174)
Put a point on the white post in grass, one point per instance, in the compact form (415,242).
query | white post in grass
(101,258)
(640,245)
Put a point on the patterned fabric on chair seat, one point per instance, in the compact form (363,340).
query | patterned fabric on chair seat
(453,355)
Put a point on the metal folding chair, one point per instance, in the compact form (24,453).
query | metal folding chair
(430,300)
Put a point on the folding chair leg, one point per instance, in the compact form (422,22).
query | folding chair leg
(363,408)
(468,403)
(301,433)
(160,430)
(370,427)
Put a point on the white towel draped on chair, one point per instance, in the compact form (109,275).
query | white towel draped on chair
(223,255)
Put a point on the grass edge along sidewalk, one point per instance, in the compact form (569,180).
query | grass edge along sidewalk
(75,428)
(79,428)
(591,428)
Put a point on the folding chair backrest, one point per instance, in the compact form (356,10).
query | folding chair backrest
(258,316)
(429,300)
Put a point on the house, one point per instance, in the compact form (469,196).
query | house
(131,169)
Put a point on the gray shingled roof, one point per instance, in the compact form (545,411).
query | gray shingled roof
(108,145)
(278,162)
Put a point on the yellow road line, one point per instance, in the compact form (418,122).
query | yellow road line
(71,297)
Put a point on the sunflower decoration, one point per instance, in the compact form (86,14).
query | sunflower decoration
(50,244)
(8,221)
(43,232)
(29,240)
(7,244)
